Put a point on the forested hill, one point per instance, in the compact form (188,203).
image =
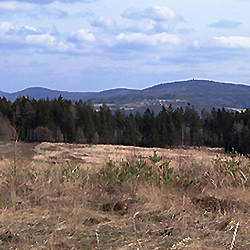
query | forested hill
(200,93)
(42,93)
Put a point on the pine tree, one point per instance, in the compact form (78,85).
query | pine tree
(5,108)
(179,124)
(162,127)
(119,119)
(131,133)
(171,126)
(85,119)
(149,131)
(193,123)
(106,125)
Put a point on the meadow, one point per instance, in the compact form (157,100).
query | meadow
(80,196)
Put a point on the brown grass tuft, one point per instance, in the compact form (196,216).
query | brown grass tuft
(54,200)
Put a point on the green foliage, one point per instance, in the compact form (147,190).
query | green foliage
(153,172)
(233,153)
(155,158)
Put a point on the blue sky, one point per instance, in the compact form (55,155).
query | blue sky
(92,45)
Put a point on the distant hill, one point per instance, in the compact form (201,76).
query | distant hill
(200,93)
(43,93)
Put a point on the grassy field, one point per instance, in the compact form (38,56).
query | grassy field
(71,196)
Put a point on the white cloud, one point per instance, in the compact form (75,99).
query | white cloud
(6,26)
(159,13)
(143,26)
(139,38)
(156,19)
(30,28)
(234,41)
(28,37)
(21,32)
(150,26)
(61,46)
(83,35)
(162,13)
(49,43)
(7,8)
(196,44)
(43,40)
(11,6)
(104,23)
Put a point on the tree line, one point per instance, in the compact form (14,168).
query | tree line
(61,120)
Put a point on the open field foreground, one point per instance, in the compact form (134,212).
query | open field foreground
(72,196)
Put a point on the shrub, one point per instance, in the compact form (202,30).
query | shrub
(153,171)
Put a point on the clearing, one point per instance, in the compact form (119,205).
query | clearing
(74,196)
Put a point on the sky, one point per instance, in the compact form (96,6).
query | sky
(93,45)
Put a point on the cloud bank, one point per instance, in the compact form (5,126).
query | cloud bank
(139,38)
(112,37)
(158,13)
(234,41)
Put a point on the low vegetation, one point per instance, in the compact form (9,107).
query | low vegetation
(68,196)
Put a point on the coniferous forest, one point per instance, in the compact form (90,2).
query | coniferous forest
(61,120)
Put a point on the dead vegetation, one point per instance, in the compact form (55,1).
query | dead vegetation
(64,196)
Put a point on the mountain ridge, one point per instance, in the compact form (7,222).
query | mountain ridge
(200,93)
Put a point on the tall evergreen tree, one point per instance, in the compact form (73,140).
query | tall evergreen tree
(193,124)
(131,133)
(106,127)
(179,124)
(6,108)
(119,119)
(162,121)
(149,131)
(171,125)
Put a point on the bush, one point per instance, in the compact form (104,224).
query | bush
(153,171)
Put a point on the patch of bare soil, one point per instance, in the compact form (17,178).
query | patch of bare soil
(26,150)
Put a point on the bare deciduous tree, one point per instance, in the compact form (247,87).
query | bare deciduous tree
(59,135)
(6,130)
(43,134)
(80,136)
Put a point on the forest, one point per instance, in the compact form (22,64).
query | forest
(61,120)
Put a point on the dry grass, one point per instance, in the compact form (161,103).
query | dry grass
(51,201)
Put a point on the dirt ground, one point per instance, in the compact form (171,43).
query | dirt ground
(98,155)
(7,150)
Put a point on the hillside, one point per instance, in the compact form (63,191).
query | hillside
(200,93)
